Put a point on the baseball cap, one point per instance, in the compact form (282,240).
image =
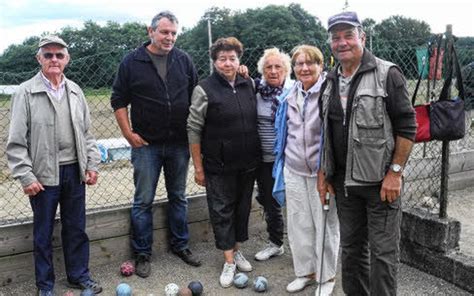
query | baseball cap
(51,39)
(346,17)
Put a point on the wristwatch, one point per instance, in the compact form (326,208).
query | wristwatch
(396,168)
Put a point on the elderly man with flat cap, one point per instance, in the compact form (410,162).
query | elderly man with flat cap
(53,154)
(369,129)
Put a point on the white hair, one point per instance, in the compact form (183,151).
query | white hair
(285,58)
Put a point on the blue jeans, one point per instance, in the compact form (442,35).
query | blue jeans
(147,162)
(70,195)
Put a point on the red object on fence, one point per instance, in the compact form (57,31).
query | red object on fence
(423,130)
(433,64)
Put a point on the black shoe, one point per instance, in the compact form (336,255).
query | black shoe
(87,284)
(188,257)
(142,266)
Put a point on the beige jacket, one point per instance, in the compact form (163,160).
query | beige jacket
(32,147)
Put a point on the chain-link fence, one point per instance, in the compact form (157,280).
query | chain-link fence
(115,188)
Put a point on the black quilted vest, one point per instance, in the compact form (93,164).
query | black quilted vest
(230,140)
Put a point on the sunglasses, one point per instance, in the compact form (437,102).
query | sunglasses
(49,55)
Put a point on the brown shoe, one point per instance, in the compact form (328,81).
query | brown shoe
(188,257)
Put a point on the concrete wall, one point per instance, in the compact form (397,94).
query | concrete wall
(109,238)
(431,244)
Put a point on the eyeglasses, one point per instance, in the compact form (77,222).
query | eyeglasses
(50,55)
(301,64)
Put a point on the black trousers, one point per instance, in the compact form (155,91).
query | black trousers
(229,199)
(370,237)
(272,210)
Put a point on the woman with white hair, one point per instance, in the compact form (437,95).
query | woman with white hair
(275,67)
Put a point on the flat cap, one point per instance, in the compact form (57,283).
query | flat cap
(346,17)
(51,39)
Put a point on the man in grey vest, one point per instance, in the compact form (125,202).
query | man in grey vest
(53,154)
(369,129)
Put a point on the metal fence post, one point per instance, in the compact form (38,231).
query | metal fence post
(443,191)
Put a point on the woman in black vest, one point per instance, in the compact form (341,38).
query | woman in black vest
(224,144)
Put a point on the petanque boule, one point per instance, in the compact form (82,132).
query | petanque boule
(260,284)
(171,289)
(196,288)
(87,292)
(241,280)
(127,268)
(185,292)
(123,289)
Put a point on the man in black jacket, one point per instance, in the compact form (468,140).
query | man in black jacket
(157,80)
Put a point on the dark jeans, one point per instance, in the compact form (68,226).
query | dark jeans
(229,199)
(147,163)
(370,237)
(273,215)
(70,195)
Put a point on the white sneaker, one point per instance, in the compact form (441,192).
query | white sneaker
(227,276)
(326,288)
(299,284)
(271,250)
(241,262)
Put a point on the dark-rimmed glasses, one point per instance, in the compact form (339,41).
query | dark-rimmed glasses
(49,55)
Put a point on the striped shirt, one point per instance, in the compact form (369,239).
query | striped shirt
(266,128)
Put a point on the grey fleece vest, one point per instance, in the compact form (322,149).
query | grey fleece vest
(66,139)
(370,139)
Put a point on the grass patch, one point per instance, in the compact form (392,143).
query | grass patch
(5,100)
(97,95)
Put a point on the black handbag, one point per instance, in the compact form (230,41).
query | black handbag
(447,116)
(444,119)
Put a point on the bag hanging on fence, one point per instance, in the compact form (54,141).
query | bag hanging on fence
(423,132)
(442,120)
(436,64)
(447,119)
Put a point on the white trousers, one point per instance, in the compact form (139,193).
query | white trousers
(306,227)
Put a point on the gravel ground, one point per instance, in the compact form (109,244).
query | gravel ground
(167,268)
(460,206)
(279,271)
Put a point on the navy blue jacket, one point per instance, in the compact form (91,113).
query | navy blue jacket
(159,109)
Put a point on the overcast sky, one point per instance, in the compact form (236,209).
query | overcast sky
(20,19)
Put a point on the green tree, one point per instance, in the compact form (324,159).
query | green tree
(257,29)
(465,50)
(368,24)
(95,53)
(196,38)
(400,28)
(396,39)
(97,50)
(18,62)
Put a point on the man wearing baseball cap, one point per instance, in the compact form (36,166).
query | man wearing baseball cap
(53,154)
(365,110)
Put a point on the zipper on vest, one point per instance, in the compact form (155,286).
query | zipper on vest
(242,117)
